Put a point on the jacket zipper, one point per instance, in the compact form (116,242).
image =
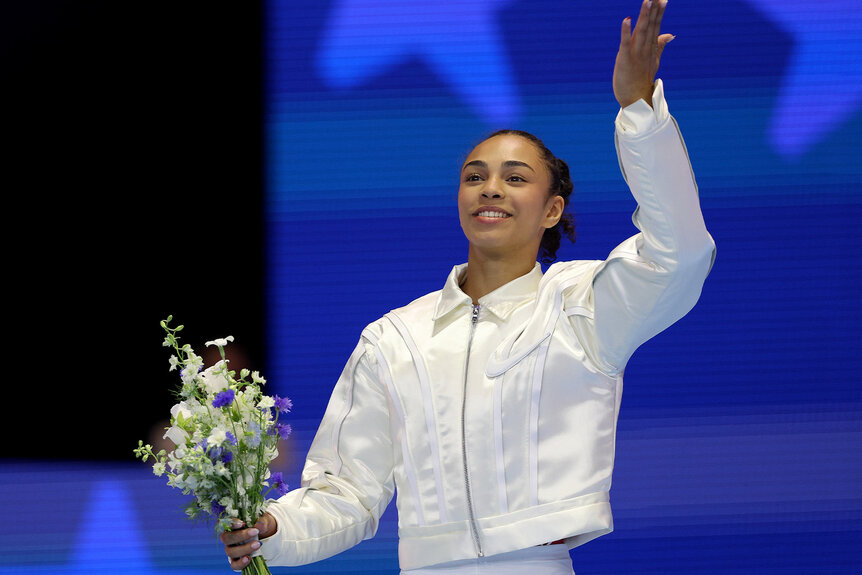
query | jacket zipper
(473,527)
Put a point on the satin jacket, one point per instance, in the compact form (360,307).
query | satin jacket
(496,422)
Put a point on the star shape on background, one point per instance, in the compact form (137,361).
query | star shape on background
(110,539)
(823,84)
(461,43)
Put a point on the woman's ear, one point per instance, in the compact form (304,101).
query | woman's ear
(555,206)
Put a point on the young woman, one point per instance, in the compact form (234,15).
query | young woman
(491,404)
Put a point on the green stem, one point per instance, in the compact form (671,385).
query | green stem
(257,566)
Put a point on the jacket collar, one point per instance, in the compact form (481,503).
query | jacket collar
(501,302)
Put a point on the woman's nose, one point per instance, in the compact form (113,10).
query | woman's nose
(492,189)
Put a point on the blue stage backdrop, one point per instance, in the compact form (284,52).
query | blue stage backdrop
(740,436)
(739,439)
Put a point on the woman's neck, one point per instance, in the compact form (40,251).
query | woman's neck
(484,274)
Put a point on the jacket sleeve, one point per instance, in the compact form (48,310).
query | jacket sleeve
(347,481)
(655,277)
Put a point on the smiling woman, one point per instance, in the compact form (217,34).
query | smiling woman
(513,178)
(490,406)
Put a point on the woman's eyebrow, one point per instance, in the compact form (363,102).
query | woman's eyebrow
(517,164)
(506,164)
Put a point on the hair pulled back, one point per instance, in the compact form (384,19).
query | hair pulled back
(561,185)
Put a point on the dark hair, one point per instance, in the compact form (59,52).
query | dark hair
(561,185)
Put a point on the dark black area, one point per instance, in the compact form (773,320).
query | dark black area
(132,191)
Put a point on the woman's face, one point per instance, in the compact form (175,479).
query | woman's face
(503,199)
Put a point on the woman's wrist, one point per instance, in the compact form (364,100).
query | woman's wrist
(267,526)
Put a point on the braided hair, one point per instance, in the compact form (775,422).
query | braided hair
(561,185)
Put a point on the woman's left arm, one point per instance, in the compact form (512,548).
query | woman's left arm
(655,277)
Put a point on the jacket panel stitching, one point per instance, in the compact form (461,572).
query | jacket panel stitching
(502,495)
(428,405)
(538,373)
(336,429)
(409,466)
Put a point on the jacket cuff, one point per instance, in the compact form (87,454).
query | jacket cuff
(639,117)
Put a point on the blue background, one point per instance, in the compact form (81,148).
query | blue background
(304,171)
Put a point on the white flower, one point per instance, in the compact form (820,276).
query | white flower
(174,361)
(221,470)
(177,435)
(188,374)
(266,402)
(221,342)
(197,408)
(217,437)
(193,358)
(183,408)
(255,377)
(250,394)
(158,469)
(173,463)
(214,379)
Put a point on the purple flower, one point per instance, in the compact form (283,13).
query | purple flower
(278,484)
(283,404)
(283,429)
(227,456)
(215,453)
(223,398)
(231,438)
(216,509)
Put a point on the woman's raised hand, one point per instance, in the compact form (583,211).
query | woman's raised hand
(639,54)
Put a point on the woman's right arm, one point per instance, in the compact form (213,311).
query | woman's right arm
(347,481)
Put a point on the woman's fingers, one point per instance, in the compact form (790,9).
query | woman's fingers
(239,545)
(640,50)
(641,36)
(647,27)
(649,21)
(239,541)
(626,33)
(238,564)
(663,41)
(241,550)
(238,536)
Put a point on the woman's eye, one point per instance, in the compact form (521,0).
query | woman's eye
(516,179)
(473,178)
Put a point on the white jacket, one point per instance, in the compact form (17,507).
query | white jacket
(497,422)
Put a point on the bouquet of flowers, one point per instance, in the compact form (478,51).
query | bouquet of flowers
(226,434)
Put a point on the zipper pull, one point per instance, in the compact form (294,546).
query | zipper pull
(475,314)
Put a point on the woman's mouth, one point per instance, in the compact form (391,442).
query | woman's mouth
(494,214)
